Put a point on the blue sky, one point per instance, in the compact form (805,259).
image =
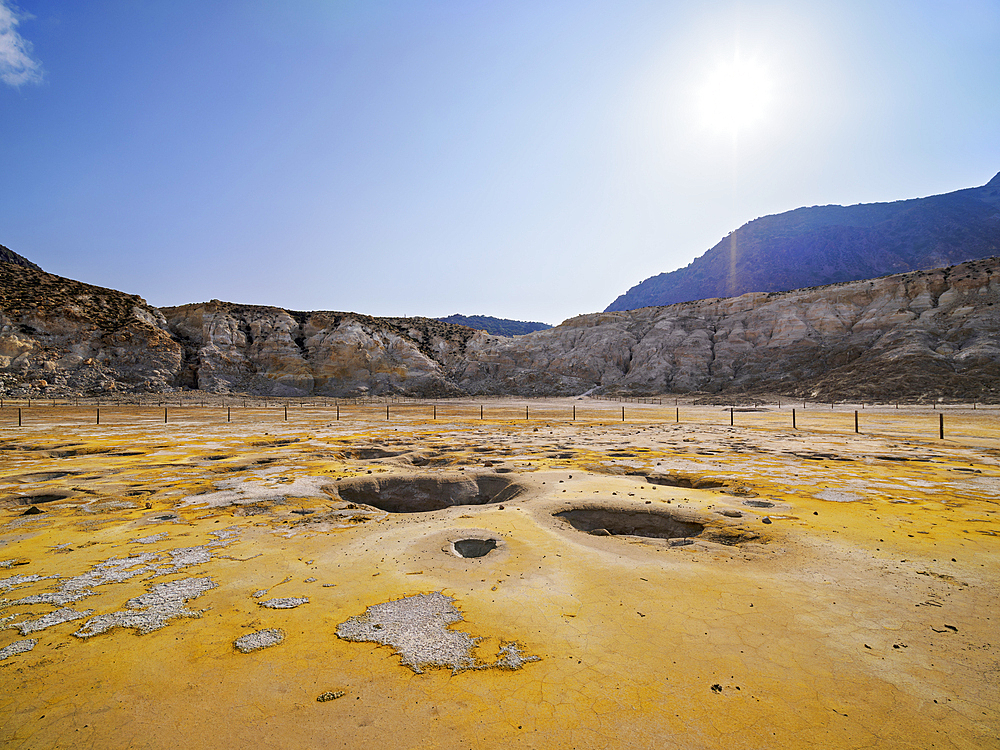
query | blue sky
(528,160)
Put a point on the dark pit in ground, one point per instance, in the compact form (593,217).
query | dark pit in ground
(683,480)
(422,494)
(647,523)
(474,547)
(45,476)
(39,498)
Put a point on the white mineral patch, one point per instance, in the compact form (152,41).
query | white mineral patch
(18,647)
(285,603)
(58,617)
(510,657)
(838,496)
(152,610)
(264,489)
(417,628)
(152,539)
(260,639)
(14,581)
(79,587)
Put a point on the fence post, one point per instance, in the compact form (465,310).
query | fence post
(677,416)
(855,420)
(731,418)
(98,416)
(164,415)
(229,414)
(480,411)
(623,414)
(19,416)
(525,412)
(435,411)
(793,419)
(941,426)
(574,412)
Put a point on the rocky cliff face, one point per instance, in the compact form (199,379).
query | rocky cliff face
(280,352)
(922,334)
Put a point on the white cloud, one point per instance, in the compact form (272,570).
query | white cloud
(17,66)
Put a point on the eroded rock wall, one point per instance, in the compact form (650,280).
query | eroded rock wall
(929,332)
(275,351)
(923,334)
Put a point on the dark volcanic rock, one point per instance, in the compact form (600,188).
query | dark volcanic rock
(9,256)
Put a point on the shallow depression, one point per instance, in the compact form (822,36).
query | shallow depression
(612,521)
(423,494)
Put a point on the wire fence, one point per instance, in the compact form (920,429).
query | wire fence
(973,422)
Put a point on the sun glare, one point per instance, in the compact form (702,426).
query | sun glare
(735,95)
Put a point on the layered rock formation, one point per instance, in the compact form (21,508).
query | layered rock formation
(281,352)
(928,333)
(920,335)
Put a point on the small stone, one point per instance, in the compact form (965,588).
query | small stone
(288,602)
(765,519)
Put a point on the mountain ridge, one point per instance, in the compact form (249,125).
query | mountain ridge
(496,326)
(819,245)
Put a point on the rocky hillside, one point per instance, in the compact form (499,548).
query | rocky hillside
(59,336)
(9,256)
(496,326)
(828,244)
(925,334)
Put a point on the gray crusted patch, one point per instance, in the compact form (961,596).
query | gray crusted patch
(18,647)
(260,639)
(417,628)
(288,602)
(115,570)
(52,618)
(838,496)
(14,581)
(152,538)
(152,610)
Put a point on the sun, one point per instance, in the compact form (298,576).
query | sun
(735,95)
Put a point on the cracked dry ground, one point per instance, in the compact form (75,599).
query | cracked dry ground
(861,614)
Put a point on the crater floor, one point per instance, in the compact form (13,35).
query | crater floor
(647,583)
